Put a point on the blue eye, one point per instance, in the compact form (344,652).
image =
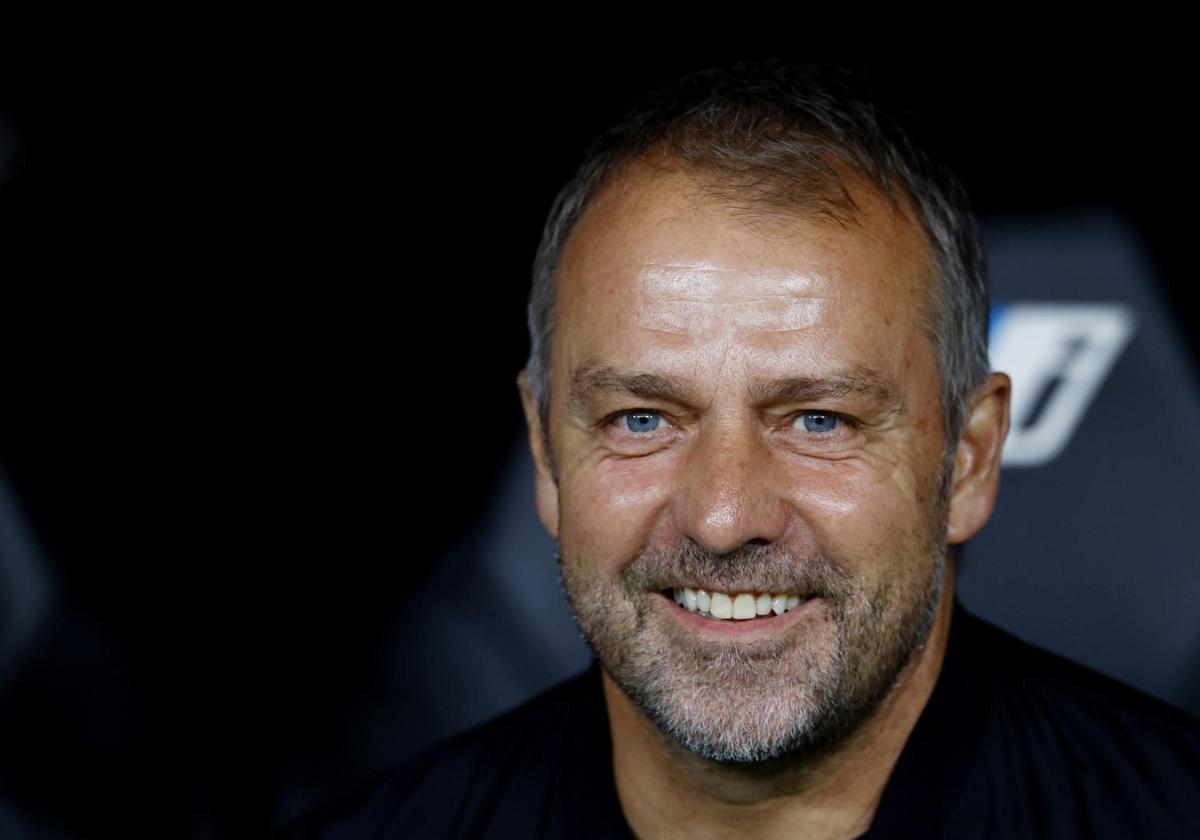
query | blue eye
(641,421)
(819,421)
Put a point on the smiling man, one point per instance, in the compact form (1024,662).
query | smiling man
(745,479)
(762,417)
(748,475)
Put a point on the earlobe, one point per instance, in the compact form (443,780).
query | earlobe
(545,485)
(977,459)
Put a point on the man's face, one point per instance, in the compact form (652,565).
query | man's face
(746,409)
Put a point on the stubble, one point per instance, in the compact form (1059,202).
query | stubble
(794,698)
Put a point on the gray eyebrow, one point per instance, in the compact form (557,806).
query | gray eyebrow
(593,378)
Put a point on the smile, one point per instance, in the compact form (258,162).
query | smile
(739,606)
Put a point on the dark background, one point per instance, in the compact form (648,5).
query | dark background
(261,315)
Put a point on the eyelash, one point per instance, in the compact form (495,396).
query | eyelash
(842,419)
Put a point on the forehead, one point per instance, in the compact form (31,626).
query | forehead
(654,259)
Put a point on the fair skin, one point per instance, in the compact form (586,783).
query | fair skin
(829,487)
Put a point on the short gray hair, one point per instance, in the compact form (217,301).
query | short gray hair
(765,133)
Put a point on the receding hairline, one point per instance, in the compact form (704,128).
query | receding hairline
(765,216)
(750,194)
(758,200)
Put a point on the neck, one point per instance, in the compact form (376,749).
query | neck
(667,791)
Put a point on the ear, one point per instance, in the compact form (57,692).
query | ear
(977,459)
(546,487)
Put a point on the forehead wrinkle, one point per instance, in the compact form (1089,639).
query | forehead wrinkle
(594,377)
(702,299)
(703,277)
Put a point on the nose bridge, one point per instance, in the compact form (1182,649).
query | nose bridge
(729,497)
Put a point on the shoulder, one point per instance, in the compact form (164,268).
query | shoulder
(1037,685)
(448,787)
(1067,734)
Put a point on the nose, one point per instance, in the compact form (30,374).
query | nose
(729,497)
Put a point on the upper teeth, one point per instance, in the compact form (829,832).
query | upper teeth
(741,605)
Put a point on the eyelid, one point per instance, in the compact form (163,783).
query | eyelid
(617,415)
(842,418)
(845,419)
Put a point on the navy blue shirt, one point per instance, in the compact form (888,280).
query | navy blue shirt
(1015,742)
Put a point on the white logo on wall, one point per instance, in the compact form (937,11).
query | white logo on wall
(1057,355)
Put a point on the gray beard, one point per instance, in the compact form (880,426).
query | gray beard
(791,700)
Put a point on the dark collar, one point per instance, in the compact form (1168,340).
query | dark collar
(928,779)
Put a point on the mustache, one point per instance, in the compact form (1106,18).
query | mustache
(749,568)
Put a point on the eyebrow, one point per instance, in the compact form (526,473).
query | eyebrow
(592,379)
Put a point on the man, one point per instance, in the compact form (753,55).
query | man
(761,414)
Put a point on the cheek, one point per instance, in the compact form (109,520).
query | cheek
(611,508)
(863,512)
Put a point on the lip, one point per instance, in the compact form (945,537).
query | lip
(746,629)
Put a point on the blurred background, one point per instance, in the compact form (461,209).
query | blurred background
(266,507)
